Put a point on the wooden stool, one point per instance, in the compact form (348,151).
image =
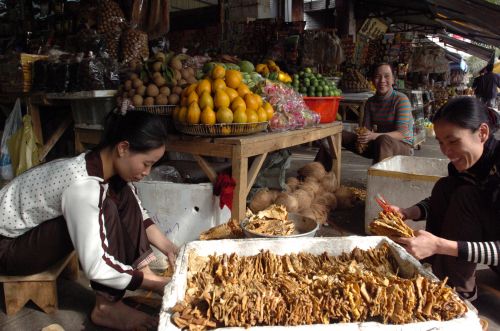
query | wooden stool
(39,288)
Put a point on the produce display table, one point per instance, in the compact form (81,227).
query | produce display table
(239,149)
(354,102)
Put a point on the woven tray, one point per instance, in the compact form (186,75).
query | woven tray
(163,110)
(217,130)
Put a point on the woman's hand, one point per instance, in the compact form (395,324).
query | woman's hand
(367,136)
(424,244)
(153,282)
(400,211)
(171,251)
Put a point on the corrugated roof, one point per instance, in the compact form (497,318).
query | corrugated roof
(473,19)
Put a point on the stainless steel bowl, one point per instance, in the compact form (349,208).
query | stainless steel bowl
(304,227)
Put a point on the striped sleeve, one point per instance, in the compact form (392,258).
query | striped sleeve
(425,207)
(480,252)
(404,118)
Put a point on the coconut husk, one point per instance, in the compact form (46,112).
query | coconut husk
(329,182)
(310,187)
(288,200)
(261,200)
(345,198)
(292,183)
(304,199)
(313,169)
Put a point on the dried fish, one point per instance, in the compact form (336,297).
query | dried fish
(305,289)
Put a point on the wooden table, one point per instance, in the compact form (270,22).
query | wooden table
(239,149)
(355,103)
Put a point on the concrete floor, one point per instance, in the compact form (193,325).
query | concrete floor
(76,299)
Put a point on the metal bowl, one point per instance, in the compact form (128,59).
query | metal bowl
(304,227)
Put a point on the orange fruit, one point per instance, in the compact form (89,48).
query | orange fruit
(252,116)
(221,99)
(208,116)
(238,102)
(193,97)
(218,84)
(224,115)
(184,101)
(243,90)
(233,78)
(218,71)
(259,99)
(251,101)
(204,86)
(261,113)
(183,114)
(206,100)
(193,114)
(269,110)
(240,116)
(232,93)
(189,89)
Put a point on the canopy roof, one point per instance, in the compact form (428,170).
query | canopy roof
(476,20)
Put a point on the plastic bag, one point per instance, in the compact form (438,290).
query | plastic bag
(23,148)
(91,72)
(291,112)
(13,124)
(110,23)
(165,173)
(111,73)
(135,45)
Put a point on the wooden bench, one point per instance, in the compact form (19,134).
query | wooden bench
(40,288)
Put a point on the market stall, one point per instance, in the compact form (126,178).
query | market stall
(239,149)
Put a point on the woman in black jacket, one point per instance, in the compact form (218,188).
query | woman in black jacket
(463,211)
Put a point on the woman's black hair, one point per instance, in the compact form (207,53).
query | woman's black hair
(374,68)
(143,131)
(467,113)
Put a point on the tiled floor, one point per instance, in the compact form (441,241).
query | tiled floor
(76,298)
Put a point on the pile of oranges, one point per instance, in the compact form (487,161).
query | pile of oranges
(221,97)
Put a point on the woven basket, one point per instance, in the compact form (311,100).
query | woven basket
(218,130)
(162,110)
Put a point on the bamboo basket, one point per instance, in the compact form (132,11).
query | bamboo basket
(162,110)
(222,129)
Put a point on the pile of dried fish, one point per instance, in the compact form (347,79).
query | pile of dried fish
(298,289)
(229,230)
(270,221)
(390,223)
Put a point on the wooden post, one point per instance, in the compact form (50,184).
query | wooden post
(240,172)
(297,10)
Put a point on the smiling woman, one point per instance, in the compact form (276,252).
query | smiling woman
(388,123)
(463,210)
(87,203)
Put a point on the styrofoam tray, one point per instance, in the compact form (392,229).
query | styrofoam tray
(175,290)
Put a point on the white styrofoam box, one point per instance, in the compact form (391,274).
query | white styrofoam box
(402,181)
(182,211)
(408,265)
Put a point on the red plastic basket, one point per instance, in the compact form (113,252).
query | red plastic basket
(326,107)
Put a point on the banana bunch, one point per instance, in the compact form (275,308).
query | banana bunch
(269,69)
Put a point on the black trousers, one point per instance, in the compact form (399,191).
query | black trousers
(460,212)
(43,246)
